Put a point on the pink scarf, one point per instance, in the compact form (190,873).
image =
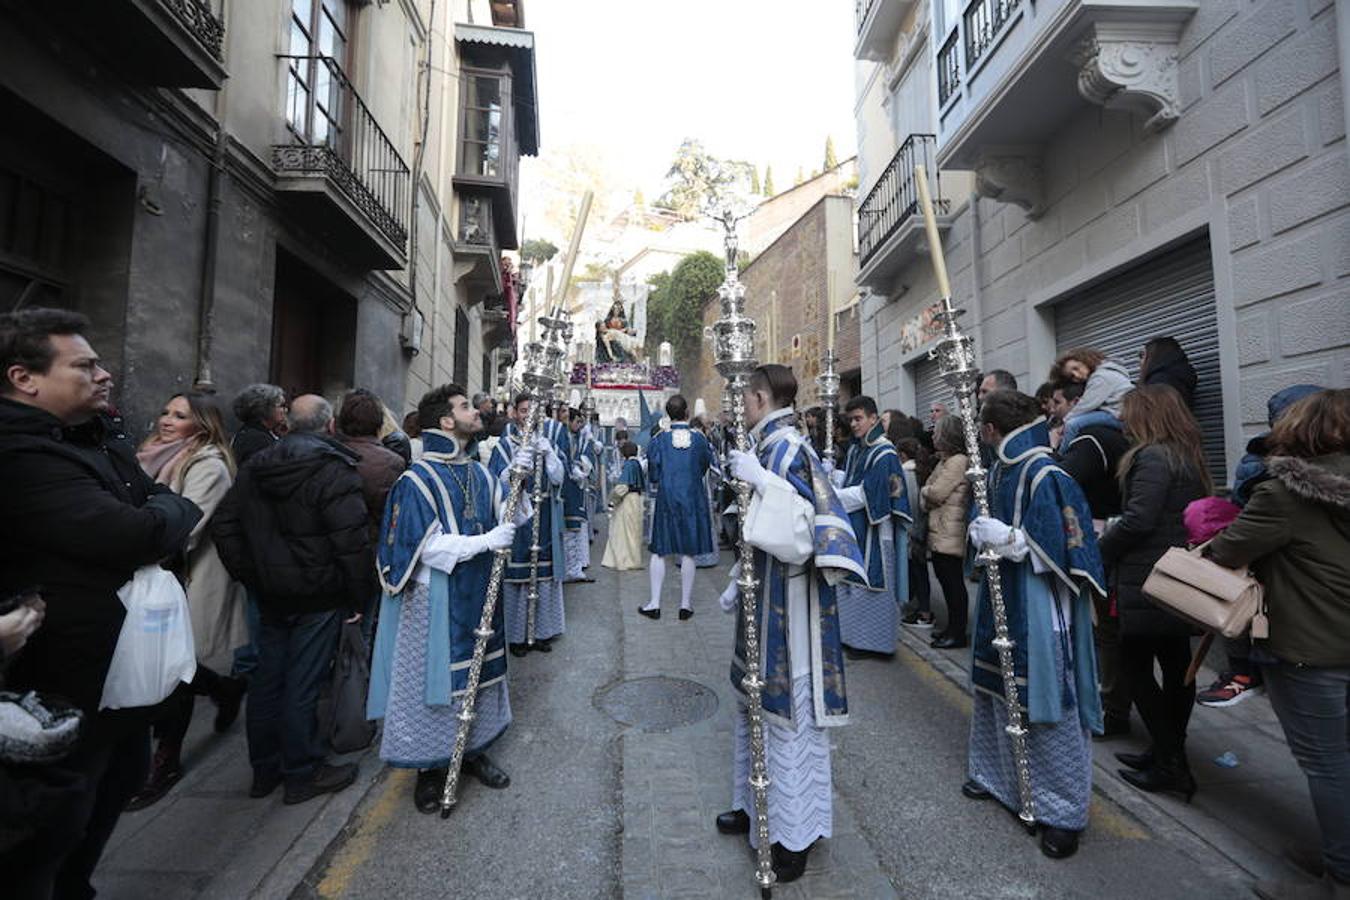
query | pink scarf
(161,460)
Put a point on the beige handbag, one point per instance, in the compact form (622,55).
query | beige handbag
(1199,590)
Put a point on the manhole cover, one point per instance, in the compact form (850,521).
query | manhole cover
(657,703)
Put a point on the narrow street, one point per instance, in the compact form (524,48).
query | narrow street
(597,808)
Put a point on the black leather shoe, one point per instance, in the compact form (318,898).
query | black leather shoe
(228,696)
(788,865)
(686,614)
(1113,726)
(734,822)
(519,649)
(1057,843)
(947,642)
(325,780)
(1137,761)
(1169,775)
(650,613)
(542,647)
(488,773)
(974,791)
(427,792)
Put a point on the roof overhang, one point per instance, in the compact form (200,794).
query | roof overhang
(515,48)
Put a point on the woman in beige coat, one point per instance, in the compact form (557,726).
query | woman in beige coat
(190,452)
(947,496)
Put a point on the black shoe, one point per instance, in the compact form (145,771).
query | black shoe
(227,697)
(1113,726)
(788,865)
(519,649)
(974,790)
(325,780)
(427,792)
(165,772)
(737,821)
(1170,774)
(263,785)
(1137,761)
(542,647)
(488,773)
(650,613)
(947,642)
(1057,843)
(686,614)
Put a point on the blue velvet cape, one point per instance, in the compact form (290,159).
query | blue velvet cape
(874,464)
(681,521)
(550,510)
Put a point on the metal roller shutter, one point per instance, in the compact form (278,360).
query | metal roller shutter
(1172,294)
(929,388)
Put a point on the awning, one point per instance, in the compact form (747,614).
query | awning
(515,47)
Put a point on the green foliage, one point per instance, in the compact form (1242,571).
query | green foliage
(831,160)
(675,306)
(538,250)
(768,181)
(698,180)
(755,187)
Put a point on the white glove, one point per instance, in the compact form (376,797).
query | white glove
(500,538)
(524,458)
(730,597)
(542,443)
(827,465)
(990,533)
(837,478)
(578,473)
(746,467)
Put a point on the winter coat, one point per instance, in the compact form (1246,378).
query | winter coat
(215,600)
(1153,505)
(1092,460)
(1106,387)
(1295,534)
(947,496)
(1251,469)
(1174,369)
(294,528)
(79,517)
(249,441)
(379,467)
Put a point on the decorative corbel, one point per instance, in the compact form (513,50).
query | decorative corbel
(1132,67)
(1012,177)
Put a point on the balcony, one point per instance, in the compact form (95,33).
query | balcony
(879,22)
(1010,72)
(476,243)
(890,226)
(340,173)
(166,43)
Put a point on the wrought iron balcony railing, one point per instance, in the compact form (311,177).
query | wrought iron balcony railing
(948,69)
(197,18)
(335,135)
(983,21)
(861,9)
(895,199)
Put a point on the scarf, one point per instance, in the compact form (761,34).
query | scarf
(162,460)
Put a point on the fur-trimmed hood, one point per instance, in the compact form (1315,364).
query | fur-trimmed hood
(1323,479)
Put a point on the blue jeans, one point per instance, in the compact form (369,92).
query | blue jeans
(246,657)
(295,653)
(1313,705)
(1078,423)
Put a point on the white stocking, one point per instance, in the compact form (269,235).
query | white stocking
(687,571)
(658,576)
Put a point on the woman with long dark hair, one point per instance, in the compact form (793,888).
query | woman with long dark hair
(1160,474)
(189,451)
(1163,361)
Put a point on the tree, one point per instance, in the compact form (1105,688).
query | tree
(768,181)
(676,303)
(831,160)
(755,188)
(699,181)
(801,176)
(538,250)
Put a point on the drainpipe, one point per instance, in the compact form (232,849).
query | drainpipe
(206,312)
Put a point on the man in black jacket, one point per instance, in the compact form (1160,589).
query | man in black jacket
(293,529)
(79,517)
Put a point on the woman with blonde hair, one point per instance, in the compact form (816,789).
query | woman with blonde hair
(189,451)
(1162,473)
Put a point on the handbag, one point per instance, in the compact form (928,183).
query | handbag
(347,727)
(36,731)
(1206,594)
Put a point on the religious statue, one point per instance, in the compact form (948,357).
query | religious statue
(616,340)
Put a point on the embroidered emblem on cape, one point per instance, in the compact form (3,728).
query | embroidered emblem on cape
(681,438)
(393,524)
(897,485)
(1072,530)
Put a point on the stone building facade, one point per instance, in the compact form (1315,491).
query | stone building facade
(1138,169)
(227,189)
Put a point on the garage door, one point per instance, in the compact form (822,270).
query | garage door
(1171,295)
(929,388)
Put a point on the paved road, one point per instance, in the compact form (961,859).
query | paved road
(597,809)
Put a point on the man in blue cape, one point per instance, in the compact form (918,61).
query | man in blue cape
(1041,529)
(677,461)
(804,546)
(878,506)
(441,525)
(580,465)
(552,446)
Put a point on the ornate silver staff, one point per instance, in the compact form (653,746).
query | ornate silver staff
(827,389)
(734,353)
(955,355)
(557,333)
(537,373)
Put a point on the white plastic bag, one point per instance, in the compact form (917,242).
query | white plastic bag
(154,650)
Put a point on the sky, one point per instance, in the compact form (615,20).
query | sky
(621,84)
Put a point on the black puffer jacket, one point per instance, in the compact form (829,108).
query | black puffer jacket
(79,517)
(1157,490)
(293,528)
(1172,367)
